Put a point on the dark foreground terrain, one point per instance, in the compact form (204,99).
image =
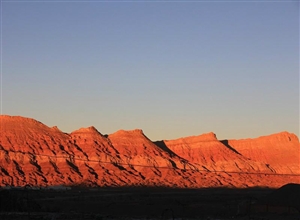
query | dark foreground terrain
(141,203)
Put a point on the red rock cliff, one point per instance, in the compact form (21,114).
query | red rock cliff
(32,153)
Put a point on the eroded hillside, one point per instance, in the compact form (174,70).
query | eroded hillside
(32,153)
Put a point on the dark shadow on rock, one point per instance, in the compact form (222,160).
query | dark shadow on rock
(163,146)
(118,165)
(173,164)
(225,142)
(74,167)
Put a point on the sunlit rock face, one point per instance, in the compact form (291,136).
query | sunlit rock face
(32,153)
(281,151)
(207,152)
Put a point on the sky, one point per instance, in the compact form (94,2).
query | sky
(170,68)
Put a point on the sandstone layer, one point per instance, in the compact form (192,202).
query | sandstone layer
(34,154)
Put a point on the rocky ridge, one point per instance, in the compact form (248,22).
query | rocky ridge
(34,154)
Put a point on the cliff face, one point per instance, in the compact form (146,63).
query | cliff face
(207,152)
(32,153)
(281,152)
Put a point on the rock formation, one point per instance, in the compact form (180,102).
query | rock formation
(34,154)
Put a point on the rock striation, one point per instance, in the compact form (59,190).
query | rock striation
(34,154)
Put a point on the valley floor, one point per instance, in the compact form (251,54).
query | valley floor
(141,204)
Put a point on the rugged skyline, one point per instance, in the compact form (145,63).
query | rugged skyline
(37,155)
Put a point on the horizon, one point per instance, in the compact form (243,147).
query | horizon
(172,69)
(141,129)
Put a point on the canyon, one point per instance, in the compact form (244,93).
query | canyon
(33,154)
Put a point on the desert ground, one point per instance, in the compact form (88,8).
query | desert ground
(140,203)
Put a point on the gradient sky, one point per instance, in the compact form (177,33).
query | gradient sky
(173,69)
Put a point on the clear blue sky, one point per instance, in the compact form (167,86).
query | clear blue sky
(172,69)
